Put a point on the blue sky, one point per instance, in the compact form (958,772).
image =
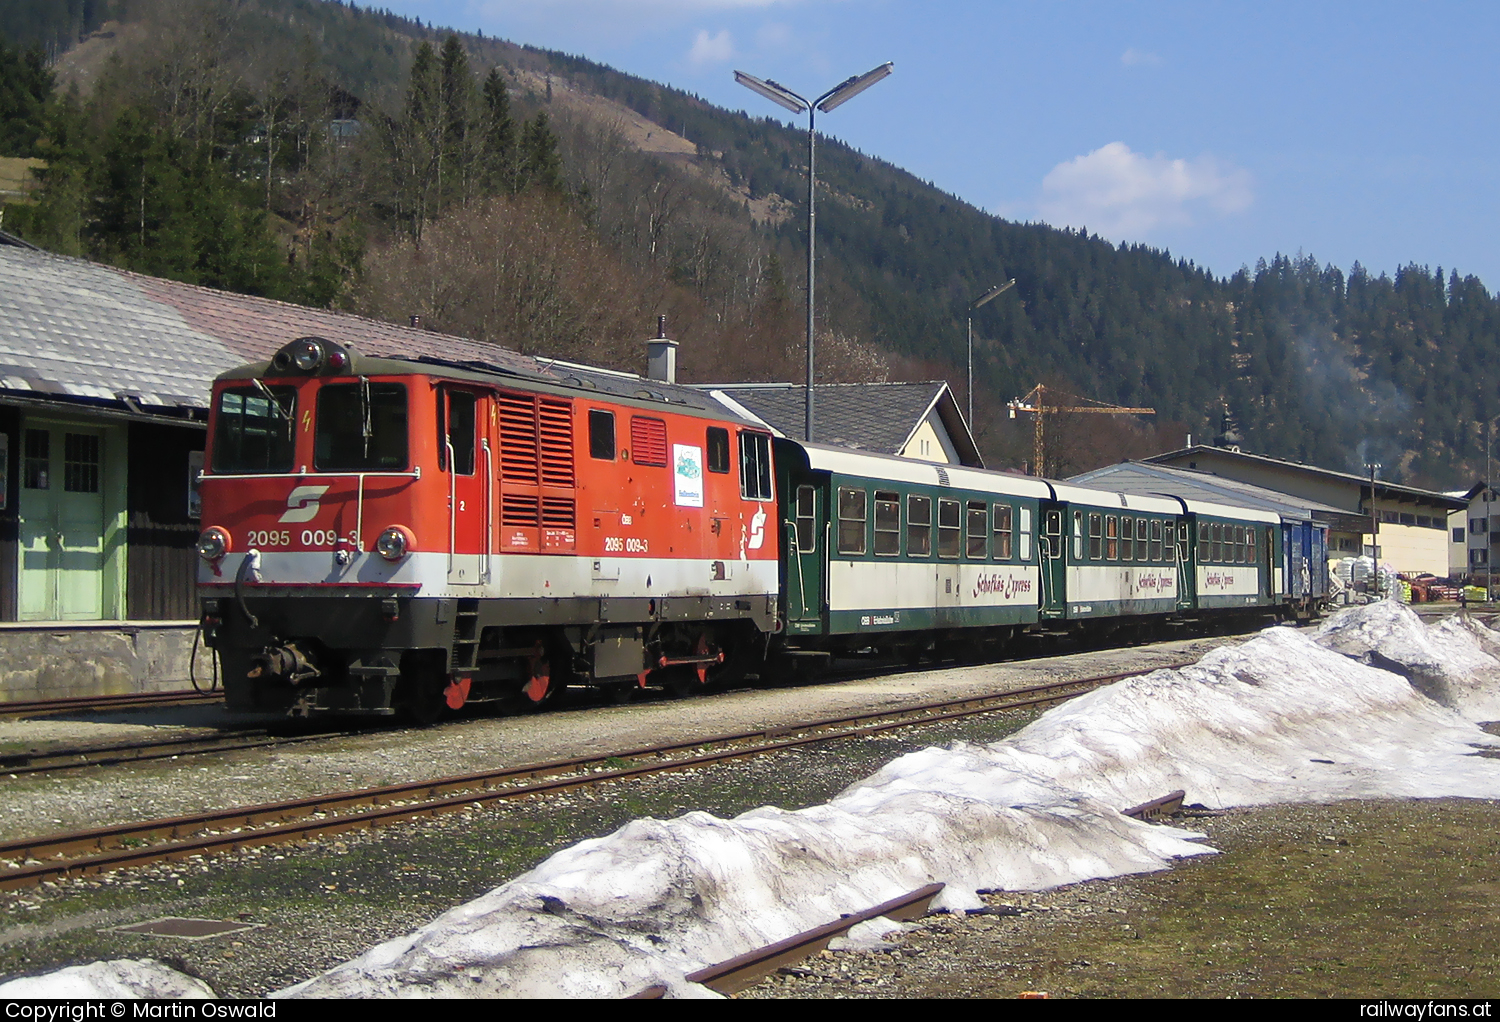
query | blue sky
(1223,132)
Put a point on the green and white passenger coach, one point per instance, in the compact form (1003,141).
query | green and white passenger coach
(894,553)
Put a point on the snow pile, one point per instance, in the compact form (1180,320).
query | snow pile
(1454,663)
(1284,717)
(122,979)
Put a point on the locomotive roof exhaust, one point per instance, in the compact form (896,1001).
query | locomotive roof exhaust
(661,355)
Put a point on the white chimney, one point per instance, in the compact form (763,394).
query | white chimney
(661,355)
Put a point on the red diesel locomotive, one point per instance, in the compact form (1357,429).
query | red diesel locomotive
(387,533)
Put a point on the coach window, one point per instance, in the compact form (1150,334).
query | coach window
(1127,539)
(1077,536)
(456,429)
(1203,531)
(1141,534)
(807,520)
(887,523)
(718,450)
(1002,532)
(950,534)
(1184,541)
(918,526)
(1111,538)
(977,546)
(1096,533)
(361,427)
(1156,539)
(1250,548)
(852,516)
(1216,542)
(755,466)
(1026,534)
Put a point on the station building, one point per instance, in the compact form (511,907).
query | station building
(1413,531)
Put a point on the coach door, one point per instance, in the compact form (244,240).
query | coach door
(464,458)
(1053,562)
(1187,575)
(806,535)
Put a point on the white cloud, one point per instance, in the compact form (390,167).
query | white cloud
(1124,194)
(1139,58)
(711,49)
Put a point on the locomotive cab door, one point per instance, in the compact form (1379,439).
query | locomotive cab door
(464,457)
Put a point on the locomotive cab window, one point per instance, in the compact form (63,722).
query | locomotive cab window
(251,435)
(361,427)
(601,434)
(755,466)
(852,516)
(887,523)
(456,431)
(918,526)
(718,449)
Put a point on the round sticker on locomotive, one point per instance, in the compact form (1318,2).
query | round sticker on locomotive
(687,475)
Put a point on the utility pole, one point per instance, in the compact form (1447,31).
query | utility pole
(1374,528)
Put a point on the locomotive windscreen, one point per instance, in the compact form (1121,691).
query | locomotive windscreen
(361,427)
(252,434)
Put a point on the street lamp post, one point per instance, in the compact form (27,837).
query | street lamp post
(1374,527)
(988,296)
(834,97)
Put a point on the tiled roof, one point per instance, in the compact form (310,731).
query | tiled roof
(877,417)
(75,329)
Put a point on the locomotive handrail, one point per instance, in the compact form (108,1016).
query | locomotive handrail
(489,507)
(359,518)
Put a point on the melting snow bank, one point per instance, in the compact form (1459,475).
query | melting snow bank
(1287,716)
(122,979)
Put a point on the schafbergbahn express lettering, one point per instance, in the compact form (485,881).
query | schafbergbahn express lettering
(1154,583)
(1004,586)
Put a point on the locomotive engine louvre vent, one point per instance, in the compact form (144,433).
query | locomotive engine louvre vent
(185,928)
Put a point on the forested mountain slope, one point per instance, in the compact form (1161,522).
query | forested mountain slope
(558,206)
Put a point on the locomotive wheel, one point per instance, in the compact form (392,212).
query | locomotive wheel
(544,683)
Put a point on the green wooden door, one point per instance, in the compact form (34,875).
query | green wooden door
(62,524)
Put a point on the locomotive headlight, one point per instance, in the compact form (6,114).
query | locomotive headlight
(307,354)
(213,544)
(395,542)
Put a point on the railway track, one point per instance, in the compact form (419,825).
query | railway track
(43,761)
(98,850)
(85,704)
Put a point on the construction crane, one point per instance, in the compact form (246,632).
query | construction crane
(1037,403)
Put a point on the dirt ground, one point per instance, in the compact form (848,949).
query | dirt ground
(1380,899)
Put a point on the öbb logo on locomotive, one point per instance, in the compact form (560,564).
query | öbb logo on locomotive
(500,532)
